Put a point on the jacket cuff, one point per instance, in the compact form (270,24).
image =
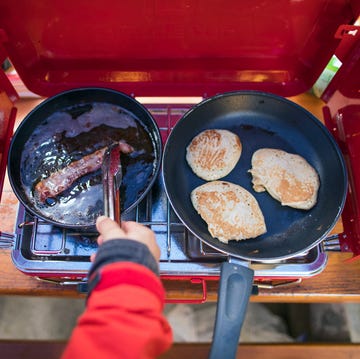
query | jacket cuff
(120,250)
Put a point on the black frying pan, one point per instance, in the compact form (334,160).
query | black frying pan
(67,127)
(260,120)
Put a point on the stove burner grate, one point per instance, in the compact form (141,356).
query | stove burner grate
(44,250)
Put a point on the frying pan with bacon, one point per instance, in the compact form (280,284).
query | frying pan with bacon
(55,155)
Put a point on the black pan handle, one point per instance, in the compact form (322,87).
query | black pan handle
(233,296)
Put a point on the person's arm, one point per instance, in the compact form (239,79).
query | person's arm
(123,318)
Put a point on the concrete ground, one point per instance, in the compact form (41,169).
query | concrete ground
(42,318)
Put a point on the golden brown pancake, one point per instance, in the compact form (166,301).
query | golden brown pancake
(288,177)
(213,154)
(230,211)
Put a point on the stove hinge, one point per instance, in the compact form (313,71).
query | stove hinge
(82,285)
(7,240)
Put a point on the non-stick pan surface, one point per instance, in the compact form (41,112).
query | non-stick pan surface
(65,128)
(260,120)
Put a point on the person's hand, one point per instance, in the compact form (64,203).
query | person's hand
(109,230)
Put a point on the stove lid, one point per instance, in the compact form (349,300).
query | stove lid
(7,117)
(173,48)
(346,80)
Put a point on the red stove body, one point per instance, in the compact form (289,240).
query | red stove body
(172,49)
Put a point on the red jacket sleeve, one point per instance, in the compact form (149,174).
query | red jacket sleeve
(123,318)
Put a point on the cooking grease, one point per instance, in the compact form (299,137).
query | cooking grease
(69,135)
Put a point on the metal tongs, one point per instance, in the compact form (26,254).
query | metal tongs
(111,178)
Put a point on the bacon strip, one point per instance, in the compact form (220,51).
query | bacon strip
(61,180)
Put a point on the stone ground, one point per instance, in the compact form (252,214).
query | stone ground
(42,318)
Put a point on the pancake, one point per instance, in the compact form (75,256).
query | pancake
(230,211)
(213,154)
(287,177)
